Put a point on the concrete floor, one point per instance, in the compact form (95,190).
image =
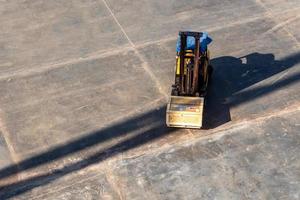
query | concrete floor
(83,88)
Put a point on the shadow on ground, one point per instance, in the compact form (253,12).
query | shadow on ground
(231,75)
(146,127)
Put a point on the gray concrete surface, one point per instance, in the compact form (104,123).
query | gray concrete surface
(83,88)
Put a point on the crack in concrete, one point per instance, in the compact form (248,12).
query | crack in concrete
(61,93)
(9,144)
(217,133)
(41,69)
(273,18)
(282,24)
(145,64)
(110,52)
(226,129)
(213,135)
(117,119)
(114,182)
(60,188)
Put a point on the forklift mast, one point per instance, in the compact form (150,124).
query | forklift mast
(187,80)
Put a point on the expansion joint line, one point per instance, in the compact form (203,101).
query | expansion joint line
(145,64)
(271,15)
(9,144)
(7,140)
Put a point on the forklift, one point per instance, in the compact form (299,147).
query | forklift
(192,74)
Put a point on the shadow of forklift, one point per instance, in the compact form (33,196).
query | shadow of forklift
(232,75)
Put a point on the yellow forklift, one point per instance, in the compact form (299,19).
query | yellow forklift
(192,74)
